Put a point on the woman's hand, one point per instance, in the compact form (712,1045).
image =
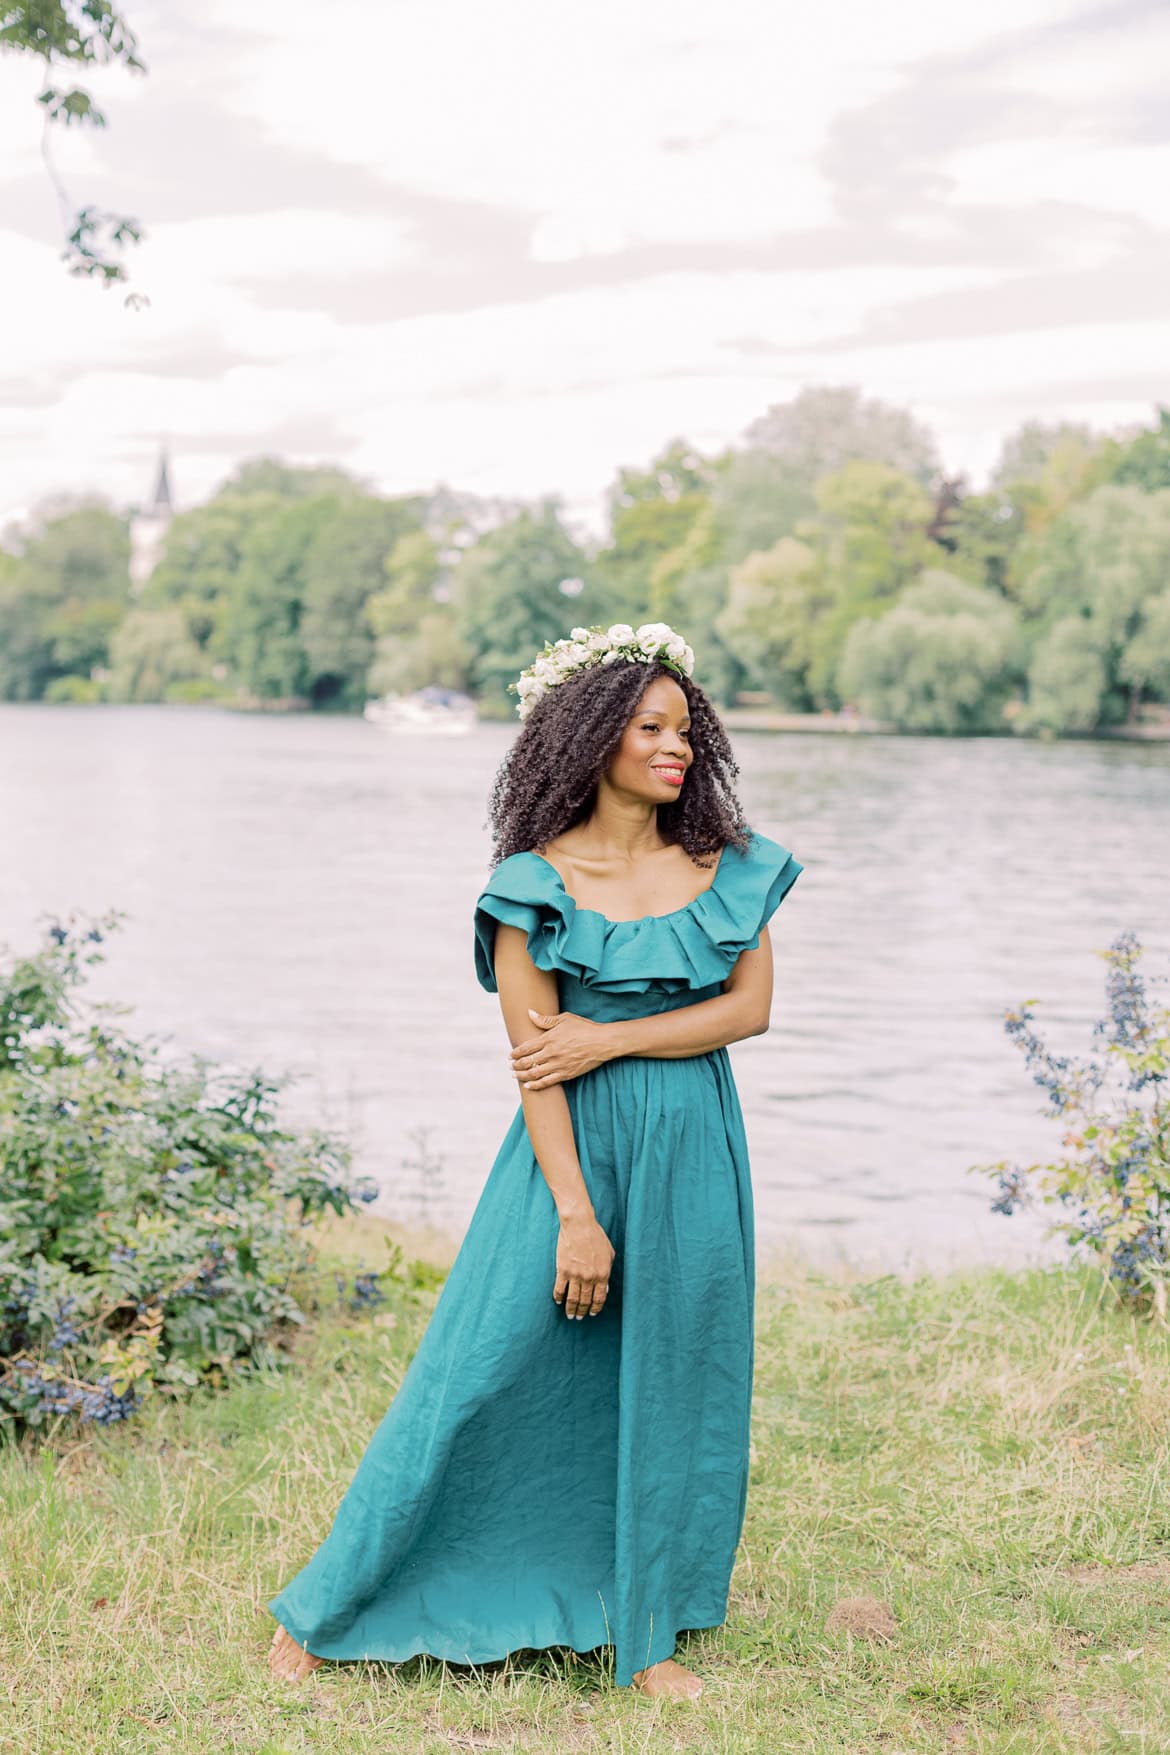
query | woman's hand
(584,1258)
(567,1046)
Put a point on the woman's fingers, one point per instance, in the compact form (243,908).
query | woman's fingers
(586,1297)
(599,1293)
(519,1050)
(548,1066)
(539,1079)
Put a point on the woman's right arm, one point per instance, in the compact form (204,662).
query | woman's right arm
(584,1252)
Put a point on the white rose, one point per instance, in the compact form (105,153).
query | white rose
(527,685)
(578,633)
(576,654)
(609,657)
(675,646)
(544,670)
(621,634)
(599,642)
(656,631)
(688,660)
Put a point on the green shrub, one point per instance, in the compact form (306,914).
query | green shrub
(196,689)
(79,689)
(152,1215)
(1115,1179)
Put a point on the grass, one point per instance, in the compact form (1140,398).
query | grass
(986,1454)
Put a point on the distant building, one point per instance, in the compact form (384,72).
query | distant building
(148,528)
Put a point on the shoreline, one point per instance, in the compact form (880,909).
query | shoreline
(734,718)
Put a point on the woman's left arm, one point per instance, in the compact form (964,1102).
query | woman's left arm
(569,1045)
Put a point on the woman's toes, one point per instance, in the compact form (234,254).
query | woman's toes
(288,1659)
(668,1678)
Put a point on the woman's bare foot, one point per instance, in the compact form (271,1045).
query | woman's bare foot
(667,1677)
(288,1659)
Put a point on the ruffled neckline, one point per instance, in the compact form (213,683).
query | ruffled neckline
(690,947)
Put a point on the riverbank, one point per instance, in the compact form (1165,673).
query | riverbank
(984,1454)
(1154,727)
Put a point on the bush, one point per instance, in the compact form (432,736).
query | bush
(80,690)
(151,1216)
(1116,1178)
(194,690)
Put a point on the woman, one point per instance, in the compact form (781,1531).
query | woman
(542,1479)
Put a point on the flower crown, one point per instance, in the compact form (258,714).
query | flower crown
(586,647)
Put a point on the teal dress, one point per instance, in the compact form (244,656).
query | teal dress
(545,1482)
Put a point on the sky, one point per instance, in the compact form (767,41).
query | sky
(512,249)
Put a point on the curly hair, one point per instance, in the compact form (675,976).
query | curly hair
(547,782)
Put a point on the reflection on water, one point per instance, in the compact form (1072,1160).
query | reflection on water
(300,893)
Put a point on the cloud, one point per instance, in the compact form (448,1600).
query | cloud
(308,437)
(1044,89)
(1037,301)
(512,249)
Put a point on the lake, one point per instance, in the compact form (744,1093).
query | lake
(300,889)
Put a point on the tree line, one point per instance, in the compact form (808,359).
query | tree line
(826,562)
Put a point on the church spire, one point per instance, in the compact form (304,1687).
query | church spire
(162,492)
(149,525)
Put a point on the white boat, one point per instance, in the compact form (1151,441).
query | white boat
(449,712)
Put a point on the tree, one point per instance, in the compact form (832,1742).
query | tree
(1026,454)
(1043,470)
(758,497)
(1144,460)
(679,472)
(1068,678)
(981,537)
(90,33)
(417,639)
(268,475)
(431,653)
(874,521)
(345,568)
(265,600)
(26,648)
(1103,561)
(1145,664)
(652,513)
(62,595)
(776,600)
(941,660)
(151,653)
(412,572)
(871,541)
(201,561)
(509,599)
(826,427)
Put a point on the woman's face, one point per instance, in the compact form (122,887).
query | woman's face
(652,759)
